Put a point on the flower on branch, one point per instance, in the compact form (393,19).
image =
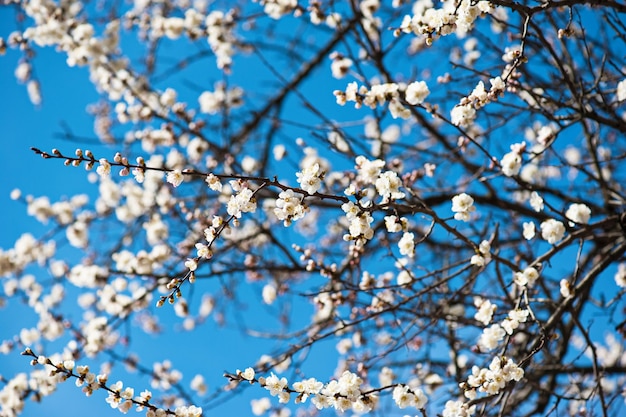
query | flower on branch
(463,206)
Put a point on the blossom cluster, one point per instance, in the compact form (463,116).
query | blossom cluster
(360,221)
(493,379)
(464,113)
(345,393)
(491,336)
(242,202)
(451,17)
(387,93)
(289,207)
(463,206)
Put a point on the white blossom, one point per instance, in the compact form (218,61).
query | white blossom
(529,230)
(621,90)
(490,337)
(175,177)
(511,164)
(578,213)
(552,230)
(463,115)
(463,206)
(310,178)
(388,186)
(536,202)
(526,277)
(407,244)
(565,288)
(485,310)
(242,202)
(416,92)
(289,207)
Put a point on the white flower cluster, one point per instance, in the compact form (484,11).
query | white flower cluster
(458,409)
(463,206)
(483,256)
(342,394)
(620,92)
(485,310)
(405,397)
(118,298)
(63,212)
(449,18)
(552,230)
(536,201)
(513,320)
(371,177)
(490,337)
(407,244)
(140,263)
(26,250)
(289,207)
(220,36)
(242,202)
(340,65)
(310,178)
(393,224)
(386,93)
(388,186)
(219,99)
(120,398)
(578,213)
(360,220)
(494,334)
(464,113)
(16,391)
(526,278)
(511,162)
(492,380)
(278,8)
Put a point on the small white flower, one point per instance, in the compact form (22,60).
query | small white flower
(407,244)
(275,385)
(527,277)
(310,178)
(477,260)
(289,207)
(621,90)
(578,213)
(388,186)
(565,288)
(463,115)
(392,224)
(214,183)
(529,230)
(536,202)
(175,177)
(191,264)
(511,164)
(104,169)
(247,374)
(416,92)
(552,231)
(490,337)
(243,202)
(485,310)
(269,293)
(462,206)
